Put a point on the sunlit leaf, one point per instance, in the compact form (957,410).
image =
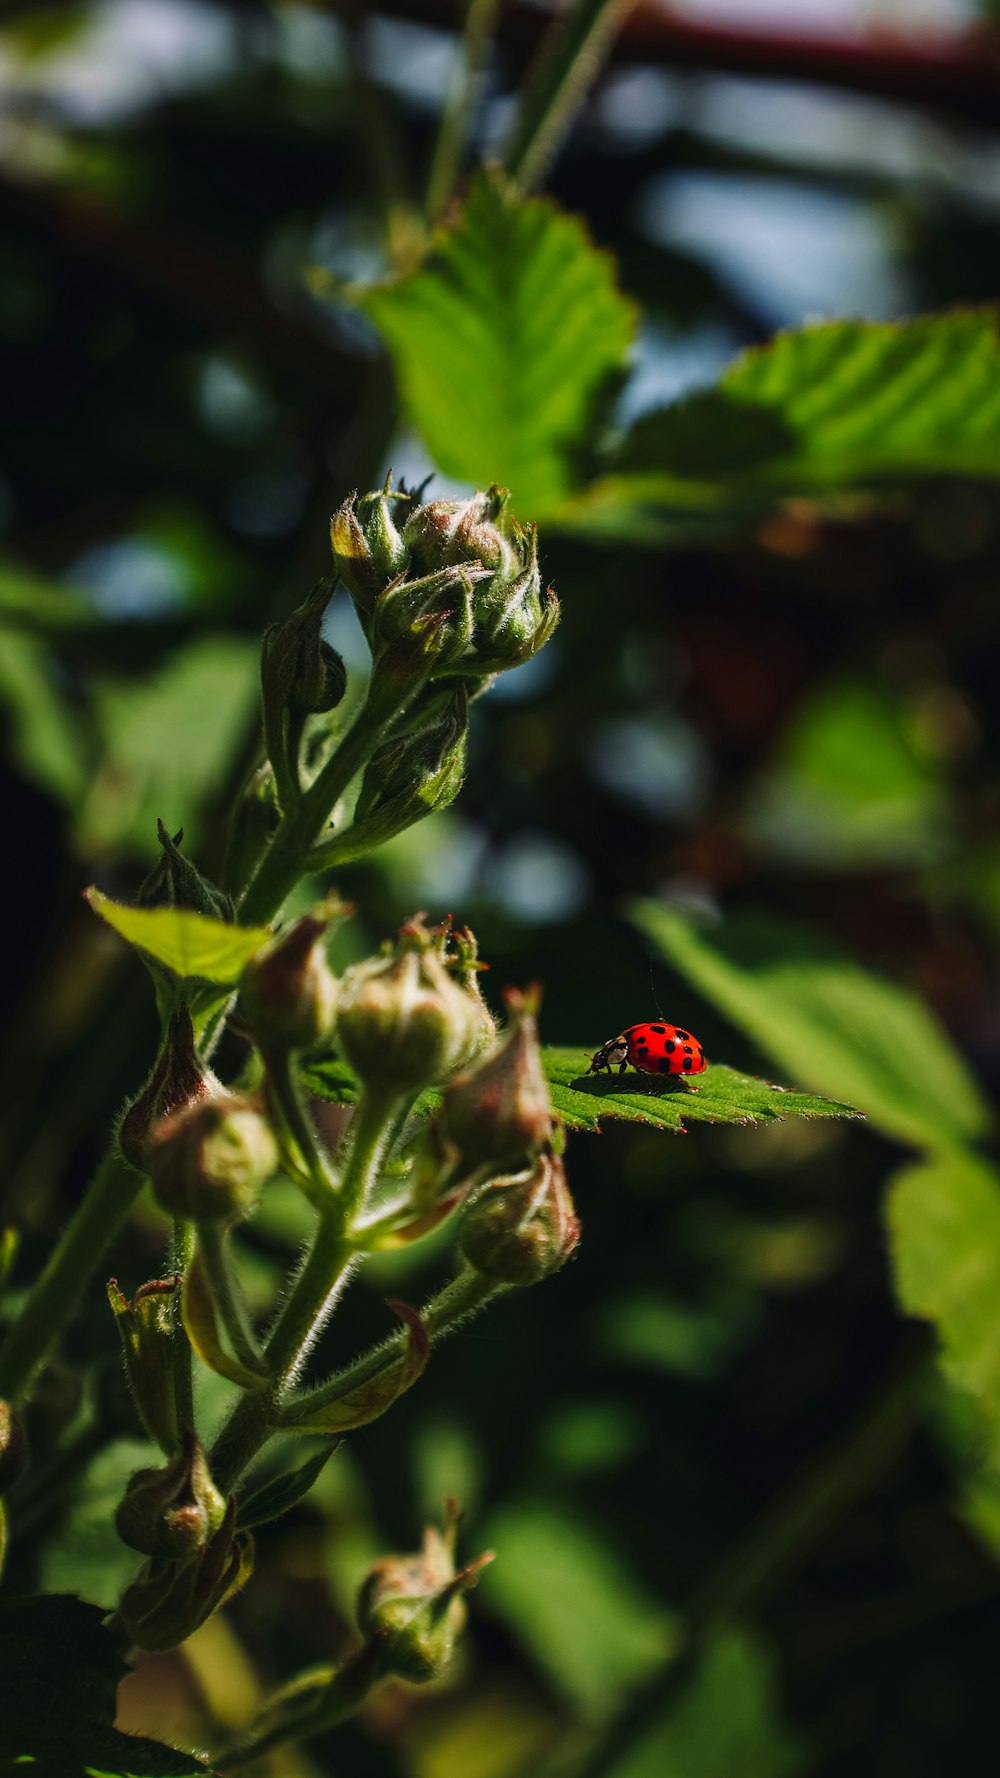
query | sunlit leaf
(833,1025)
(505,341)
(720,1096)
(88,1556)
(282,1492)
(59,1673)
(49,742)
(944,1224)
(192,945)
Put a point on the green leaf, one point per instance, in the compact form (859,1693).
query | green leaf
(727,1720)
(833,1025)
(834,406)
(282,1492)
(49,743)
(87,1556)
(944,1227)
(193,946)
(721,1096)
(59,1673)
(506,341)
(575,1606)
(202,1329)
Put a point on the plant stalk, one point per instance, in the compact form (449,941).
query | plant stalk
(567,64)
(58,1288)
(480,20)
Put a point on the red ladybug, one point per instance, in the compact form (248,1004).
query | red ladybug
(653,1049)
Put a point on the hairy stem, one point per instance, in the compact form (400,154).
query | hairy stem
(54,1295)
(289,1112)
(567,64)
(480,19)
(227,1294)
(281,865)
(181,1255)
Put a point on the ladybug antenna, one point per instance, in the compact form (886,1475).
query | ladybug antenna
(659,1010)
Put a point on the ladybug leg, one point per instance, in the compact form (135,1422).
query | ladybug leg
(622,1068)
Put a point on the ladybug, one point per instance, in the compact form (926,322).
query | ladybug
(652,1049)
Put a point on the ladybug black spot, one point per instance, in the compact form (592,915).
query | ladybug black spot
(670,1045)
(687,1049)
(685,1036)
(659,1028)
(688,1064)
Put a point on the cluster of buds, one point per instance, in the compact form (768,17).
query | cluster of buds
(520,1229)
(177,1518)
(466,566)
(412,1607)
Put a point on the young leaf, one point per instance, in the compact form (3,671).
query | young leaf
(838,404)
(202,1329)
(59,1674)
(944,1227)
(833,1025)
(281,1493)
(192,945)
(722,1096)
(505,341)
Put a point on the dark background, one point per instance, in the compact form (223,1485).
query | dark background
(805,719)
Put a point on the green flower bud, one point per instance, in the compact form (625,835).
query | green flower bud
(288,993)
(173,1511)
(500,1111)
(367,548)
(299,671)
(413,776)
(519,1230)
(175,882)
(413,1605)
(13,1446)
(178,1079)
(210,1160)
(147,1328)
(172,1596)
(403,1023)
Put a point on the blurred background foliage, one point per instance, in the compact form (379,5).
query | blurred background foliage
(717,1420)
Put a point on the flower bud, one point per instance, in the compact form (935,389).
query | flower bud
(403,1023)
(13,1446)
(147,1329)
(500,1111)
(174,882)
(173,1511)
(520,1230)
(171,1596)
(178,1079)
(413,1605)
(413,776)
(288,993)
(300,672)
(209,1160)
(367,548)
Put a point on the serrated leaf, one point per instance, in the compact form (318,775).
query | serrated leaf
(505,340)
(721,1096)
(944,1227)
(833,406)
(192,945)
(834,1026)
(282,1492)
(59,1674)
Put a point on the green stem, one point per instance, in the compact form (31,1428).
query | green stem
(314,1294)
(281,865)
(463,1297)
(226,1292)
(181,1255)
(56,1292)
(567,64)
(480,19)
(289,1113)
(344,1693)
